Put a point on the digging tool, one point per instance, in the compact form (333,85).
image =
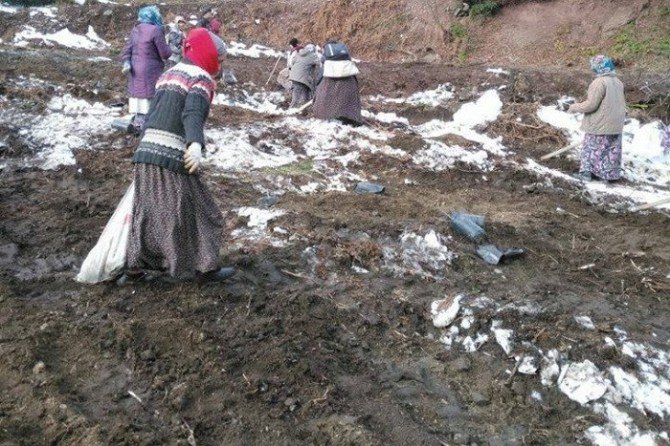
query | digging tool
(559,151)
(302,108)
(642,207)
(273,70)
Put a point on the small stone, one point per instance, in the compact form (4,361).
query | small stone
(268,202)
(480,398)
(369,188)
(460,438)
(39,368)
(292,403)
(148,355)
(8,253)
(461,364)
(108,13)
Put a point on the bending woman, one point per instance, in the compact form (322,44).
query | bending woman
(176,225)
(604,115)
(143,62)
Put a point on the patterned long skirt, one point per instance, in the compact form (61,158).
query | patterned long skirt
(338,99)
(601,156)
(177,226)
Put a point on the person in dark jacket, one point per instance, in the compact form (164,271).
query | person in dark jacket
(206,16)
(175,39)
(176,225)
(143,62)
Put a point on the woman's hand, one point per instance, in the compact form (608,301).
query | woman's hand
(193,157)
(126,67)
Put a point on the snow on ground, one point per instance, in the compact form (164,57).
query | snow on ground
(257,225)
(612,392)
(255,51)
(484,110)
(5,9)
(64,37)
(438,156)
(68,124)
(231,150)
(429,98)
(261,102)
(597,190)
(425,255)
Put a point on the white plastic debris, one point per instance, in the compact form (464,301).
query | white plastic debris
(550,368)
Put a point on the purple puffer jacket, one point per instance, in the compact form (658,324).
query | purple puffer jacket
(146,50)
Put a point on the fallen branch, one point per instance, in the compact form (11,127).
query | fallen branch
(559,151)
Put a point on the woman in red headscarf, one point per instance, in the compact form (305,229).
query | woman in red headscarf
(176,226)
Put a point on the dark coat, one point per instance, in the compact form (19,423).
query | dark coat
(146,50)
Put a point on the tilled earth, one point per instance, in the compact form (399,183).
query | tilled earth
(299,349)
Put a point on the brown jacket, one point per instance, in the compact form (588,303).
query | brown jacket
(605,108)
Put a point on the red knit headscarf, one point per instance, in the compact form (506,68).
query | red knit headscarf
(200,49)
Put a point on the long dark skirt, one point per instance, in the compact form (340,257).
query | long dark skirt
(338,99)
(301,94)
(601,156)
(177,227)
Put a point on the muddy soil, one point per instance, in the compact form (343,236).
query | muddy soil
(297,350)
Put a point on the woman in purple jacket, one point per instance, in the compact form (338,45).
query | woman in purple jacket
(143,62)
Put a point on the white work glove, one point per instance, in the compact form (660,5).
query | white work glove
(126,67)
(193,157)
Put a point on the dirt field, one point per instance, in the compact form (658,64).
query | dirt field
(299,347)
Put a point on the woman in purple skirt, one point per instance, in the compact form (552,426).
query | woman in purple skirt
(604,114)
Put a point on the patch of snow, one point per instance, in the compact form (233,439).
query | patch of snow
(471,345)
(255,51)
(644,396)
(598,190)
(502,336)
(550,368)
(425,252)
(99,59)
(472,114)
(64,37)
(439,156)
(231,149)
(388,118)
(619,429)
(359,270)
(537,396)
(497,71)
(444,311)
(8,9)
(585,322)
(429,98)
(527,365)
(46,11)
(582,381)
(261,102)
(68,124)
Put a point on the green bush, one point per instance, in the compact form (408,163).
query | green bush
(458,31)
(484,8)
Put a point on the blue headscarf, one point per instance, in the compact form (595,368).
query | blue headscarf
(602,65)
(151,15)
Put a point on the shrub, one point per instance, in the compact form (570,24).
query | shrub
(458,31)
(484,8)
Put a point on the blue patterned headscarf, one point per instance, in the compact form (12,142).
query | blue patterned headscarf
(602,65)
(151,15)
